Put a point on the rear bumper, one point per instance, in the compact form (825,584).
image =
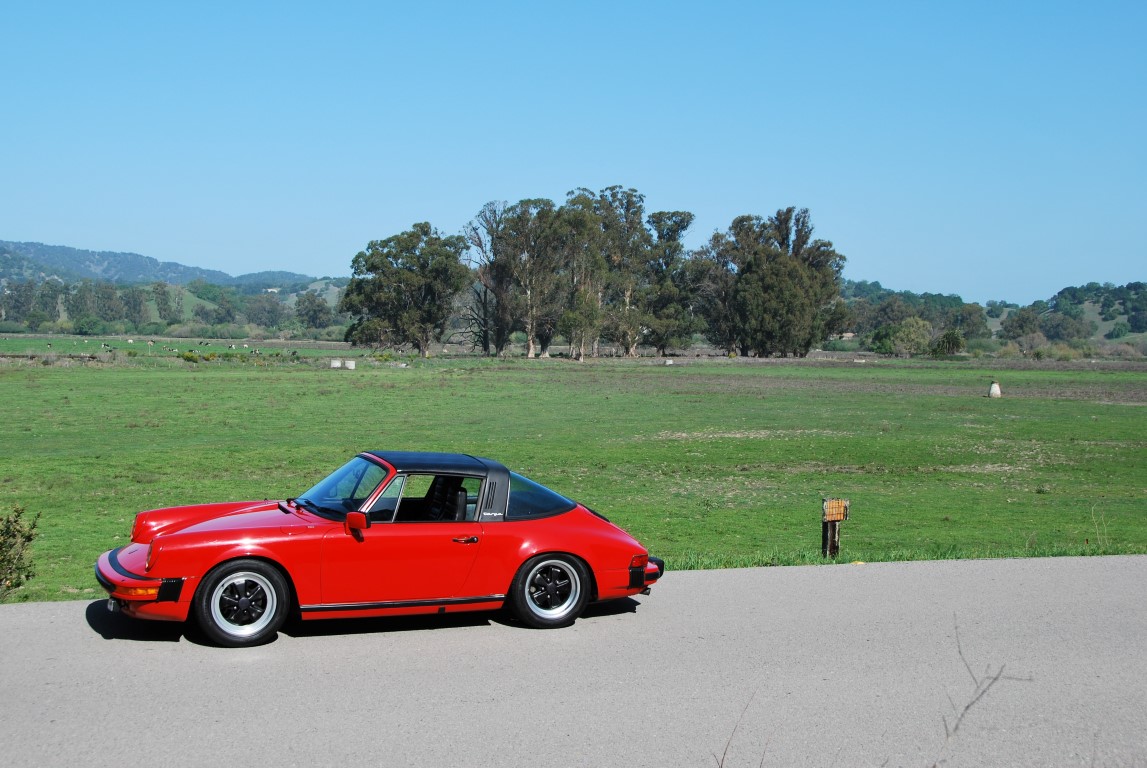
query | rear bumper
(640,578)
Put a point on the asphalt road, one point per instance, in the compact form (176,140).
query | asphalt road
(846,665)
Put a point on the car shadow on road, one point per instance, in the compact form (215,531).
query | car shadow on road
(296,627)
(611,608)
(116,626)
(332,627)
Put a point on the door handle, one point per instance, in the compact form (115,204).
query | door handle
(466,540)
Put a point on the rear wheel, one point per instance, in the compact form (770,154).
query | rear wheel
(550,591)
(242,602)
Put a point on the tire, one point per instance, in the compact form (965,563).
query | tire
(550,591)
(241,603)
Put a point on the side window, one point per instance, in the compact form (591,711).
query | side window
(437,498)
(472,487)
(382,511)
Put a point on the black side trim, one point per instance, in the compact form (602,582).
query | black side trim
(636,577)
(100,578)
(169,591)
(400,604)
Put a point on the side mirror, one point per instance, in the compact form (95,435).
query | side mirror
(356,523)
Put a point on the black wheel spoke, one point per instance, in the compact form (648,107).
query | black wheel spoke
(244,604)
(551,591)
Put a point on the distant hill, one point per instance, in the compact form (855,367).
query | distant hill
(25,261)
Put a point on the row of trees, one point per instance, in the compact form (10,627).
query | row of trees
(600,268)
(91,306)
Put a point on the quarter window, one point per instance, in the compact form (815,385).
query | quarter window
(528,499)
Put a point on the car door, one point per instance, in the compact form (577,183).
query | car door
(423,553)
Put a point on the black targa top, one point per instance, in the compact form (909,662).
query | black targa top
(495,491)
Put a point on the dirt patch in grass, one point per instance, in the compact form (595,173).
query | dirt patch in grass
(746,434)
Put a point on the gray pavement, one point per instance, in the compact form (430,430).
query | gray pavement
(847,665)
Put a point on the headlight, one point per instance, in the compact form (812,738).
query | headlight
(152,553)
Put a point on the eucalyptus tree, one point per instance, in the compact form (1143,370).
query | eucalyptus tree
(668,299)
(312,310)
(267,310)
(769,287)
(19,299)
(712,274)
(822,267)
(81,302)
(168,302)
(109,306)
(135,305)
(627,247)
(48,296)
(772,298)
(533,238)
(585,272)
(491,314)
(402,289)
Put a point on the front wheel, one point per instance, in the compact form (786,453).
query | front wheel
(242,602)
(550,591)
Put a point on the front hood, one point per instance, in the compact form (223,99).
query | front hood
(202,517)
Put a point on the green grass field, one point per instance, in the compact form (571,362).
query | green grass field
(710,463)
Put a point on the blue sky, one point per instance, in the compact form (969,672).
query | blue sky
(993,150)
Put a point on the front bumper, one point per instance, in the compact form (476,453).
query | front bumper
(139,595)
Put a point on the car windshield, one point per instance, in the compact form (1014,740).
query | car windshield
(345,489)
(528,499)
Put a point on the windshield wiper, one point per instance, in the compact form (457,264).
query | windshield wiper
(310,506)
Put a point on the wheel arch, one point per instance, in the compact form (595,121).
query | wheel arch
(593,594)
(293,608)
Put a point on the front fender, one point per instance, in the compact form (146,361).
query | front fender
(296,557)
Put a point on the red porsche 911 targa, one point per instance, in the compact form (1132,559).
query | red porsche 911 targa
(388,533)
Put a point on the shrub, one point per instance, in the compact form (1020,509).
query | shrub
(1064,352)
(16,536)
(983,346)
(841,345)
(88,326)
(949,343)
(1009,350)
(1119,330)
(1121,351)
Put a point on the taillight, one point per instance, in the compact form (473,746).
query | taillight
(639,561)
